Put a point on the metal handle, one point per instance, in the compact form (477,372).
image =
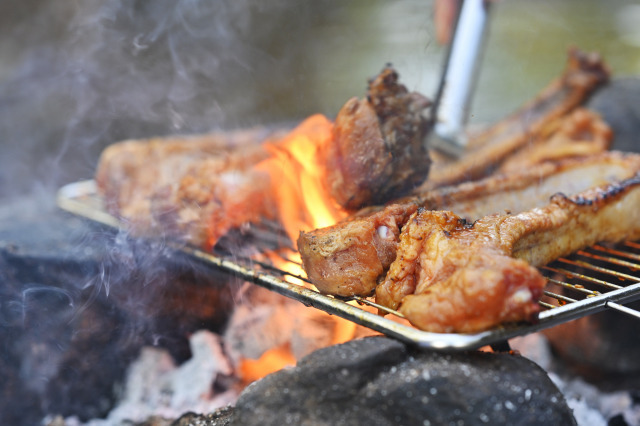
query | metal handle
(460,73)
(624,309)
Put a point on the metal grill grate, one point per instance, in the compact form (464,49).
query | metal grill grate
(589,281)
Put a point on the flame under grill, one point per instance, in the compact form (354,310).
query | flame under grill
(588,281)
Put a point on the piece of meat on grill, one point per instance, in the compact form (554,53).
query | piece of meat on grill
(581,134)
(349,258)
(378,151)
(531,125)
(449,276)
(191,188)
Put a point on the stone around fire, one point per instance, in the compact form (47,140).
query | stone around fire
(380,381)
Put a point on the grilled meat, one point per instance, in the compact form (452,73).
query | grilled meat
(192,188)
(377,152)
(350,257)
(196,189)
(529,126)
(452,277)
(462,275)
(581,134)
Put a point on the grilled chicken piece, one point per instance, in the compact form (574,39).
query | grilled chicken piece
(530,125)
(377,152)
(452,277)
(350,257)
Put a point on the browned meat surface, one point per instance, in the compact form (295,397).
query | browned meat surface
(463,275)
(377,152)
(530,125)
(347,258)
(350,257)
(192,188)
(581,134)
(452,277)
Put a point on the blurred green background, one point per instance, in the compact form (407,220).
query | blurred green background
(77,76)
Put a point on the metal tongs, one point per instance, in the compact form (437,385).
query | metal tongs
(459,76)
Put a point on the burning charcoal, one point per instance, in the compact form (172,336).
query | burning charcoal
(155,386)
(380,381)
(77,302)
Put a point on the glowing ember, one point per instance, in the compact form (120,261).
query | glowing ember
(272,360)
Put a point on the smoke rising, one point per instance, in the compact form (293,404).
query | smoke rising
(77,76)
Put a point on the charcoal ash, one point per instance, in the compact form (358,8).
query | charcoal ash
(156,388)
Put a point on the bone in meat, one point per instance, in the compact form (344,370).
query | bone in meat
(350,257)
(454,277)
(530,125)
(177,186)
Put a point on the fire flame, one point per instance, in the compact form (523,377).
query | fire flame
(303,203)
(296,172)
(271,361)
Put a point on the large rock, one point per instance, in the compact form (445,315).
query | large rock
(380,381)
(619,104)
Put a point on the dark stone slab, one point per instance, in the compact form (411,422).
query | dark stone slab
(78,301)
(619,104)
(380,381)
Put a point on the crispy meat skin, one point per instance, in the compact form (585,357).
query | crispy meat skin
(464,276)
(451,277)
(349,257)
(378,151)
(529,126)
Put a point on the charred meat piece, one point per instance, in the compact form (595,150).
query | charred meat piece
(530,125)
(378,152)
(190,188)
(453,277)
(350,257)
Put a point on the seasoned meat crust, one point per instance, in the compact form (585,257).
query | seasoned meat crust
(378,151)
(350,257)
(464,276)
(528,127)
(452,277)
(192,188)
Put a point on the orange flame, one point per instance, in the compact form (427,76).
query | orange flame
(297,177)
(303,203)
(271,361)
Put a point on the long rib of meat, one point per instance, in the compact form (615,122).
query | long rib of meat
(530,125)
(192,188)
(453,277)
(349,258)
(378,151)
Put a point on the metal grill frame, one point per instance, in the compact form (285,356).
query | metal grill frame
(81,199)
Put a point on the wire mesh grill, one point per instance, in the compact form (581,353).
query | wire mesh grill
(589,281)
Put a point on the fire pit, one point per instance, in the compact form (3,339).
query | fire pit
(81,199)
(99,325)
